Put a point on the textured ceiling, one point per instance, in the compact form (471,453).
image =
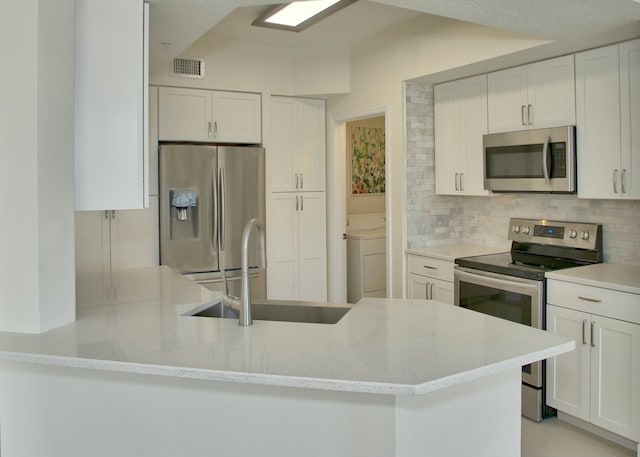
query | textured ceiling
(577,24)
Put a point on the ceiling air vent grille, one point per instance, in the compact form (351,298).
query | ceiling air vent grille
(188,68)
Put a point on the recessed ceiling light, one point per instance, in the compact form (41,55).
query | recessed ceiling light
(297,16)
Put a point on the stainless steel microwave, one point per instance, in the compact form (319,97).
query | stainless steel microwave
(540,160)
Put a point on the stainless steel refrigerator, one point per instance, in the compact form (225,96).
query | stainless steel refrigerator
(207,195)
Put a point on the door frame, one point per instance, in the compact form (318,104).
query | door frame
(336,201)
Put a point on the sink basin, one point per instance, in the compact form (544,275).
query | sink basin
(281,310)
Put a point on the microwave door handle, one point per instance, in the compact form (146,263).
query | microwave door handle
(545,159)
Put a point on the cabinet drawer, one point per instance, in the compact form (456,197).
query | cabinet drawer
(430,267)
(594,300)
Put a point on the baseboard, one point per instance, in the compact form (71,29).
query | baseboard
(602,433)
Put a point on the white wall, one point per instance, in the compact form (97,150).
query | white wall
(37,279)
(420,47)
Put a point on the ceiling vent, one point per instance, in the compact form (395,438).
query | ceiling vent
(188,68)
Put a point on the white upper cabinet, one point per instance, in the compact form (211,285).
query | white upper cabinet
(532,96)
(111,153)
(608,121)
(296,160)
(209,116)
(460,121)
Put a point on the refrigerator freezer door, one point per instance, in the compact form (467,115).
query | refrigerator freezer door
(241,172)
(188,226)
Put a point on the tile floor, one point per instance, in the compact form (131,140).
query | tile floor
(555,438)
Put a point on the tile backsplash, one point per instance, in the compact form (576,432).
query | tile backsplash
(437,219)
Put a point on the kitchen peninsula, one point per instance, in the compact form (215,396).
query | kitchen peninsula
(136,376)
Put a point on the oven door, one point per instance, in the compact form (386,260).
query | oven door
(515,299)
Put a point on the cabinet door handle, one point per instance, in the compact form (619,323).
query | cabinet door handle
(461,181)
(522,114)
(301,203)
(427,290)
(297,205)
(592,300)
(301,181)
(209,129)
(430,291)
(622,175)
(457,176)
(615,181)
(296,180)
(584,331)
(429,267)
(593,341)
(215,130)
(530,114)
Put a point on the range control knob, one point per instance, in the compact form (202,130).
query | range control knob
(526,229)
(573,234)
(585,235)
(516,229)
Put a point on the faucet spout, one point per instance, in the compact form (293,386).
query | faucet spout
(245,295)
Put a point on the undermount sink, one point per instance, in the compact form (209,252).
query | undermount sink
(280,310)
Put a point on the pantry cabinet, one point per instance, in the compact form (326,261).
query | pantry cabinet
(608,115)
(532,96)
(209,116)
(598,382)
(460,121)
(296,243)
(296,200)
(111,107)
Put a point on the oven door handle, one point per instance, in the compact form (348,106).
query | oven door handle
(512,284)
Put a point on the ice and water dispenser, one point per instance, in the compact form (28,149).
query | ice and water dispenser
(184,214)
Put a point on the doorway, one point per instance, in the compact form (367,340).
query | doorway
(344,205)
(366,273)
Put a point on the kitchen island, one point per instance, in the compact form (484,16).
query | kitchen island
(136,376)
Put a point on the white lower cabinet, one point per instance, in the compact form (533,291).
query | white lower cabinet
(429,279)
(111,240)
(599,382)
(296,246)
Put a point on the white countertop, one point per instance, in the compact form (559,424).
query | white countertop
(616,276)
(386,346)
(450,252)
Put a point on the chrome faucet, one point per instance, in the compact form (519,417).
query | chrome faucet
(245,295)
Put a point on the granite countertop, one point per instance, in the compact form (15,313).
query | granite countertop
(450,252)
(616,276)
(385,346)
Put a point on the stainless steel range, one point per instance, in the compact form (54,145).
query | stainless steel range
(511,285)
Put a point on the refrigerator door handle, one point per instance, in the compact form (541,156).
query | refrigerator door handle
(215,214)
(222,208)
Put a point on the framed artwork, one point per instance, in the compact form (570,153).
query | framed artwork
(367,160)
